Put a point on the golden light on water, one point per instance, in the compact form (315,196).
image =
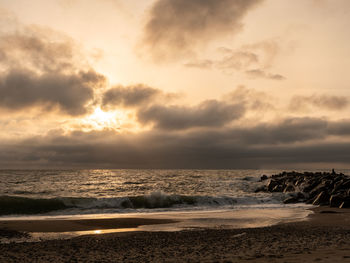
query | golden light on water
(98,231)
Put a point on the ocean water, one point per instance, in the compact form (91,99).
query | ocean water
(79,192)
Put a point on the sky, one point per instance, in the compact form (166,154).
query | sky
(203,84)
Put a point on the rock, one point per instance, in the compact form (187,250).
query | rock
(289,188)
(338,185)
(345,203)
(291,200)
(271,185)
(301,196)
(261,189)
(320,188)
(310,184)
(263,178)
(317,190)
(277,188)
(344,185)
(299,181)
(321,199)
(336,200)
(295,198)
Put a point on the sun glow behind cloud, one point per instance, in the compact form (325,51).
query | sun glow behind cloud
(150,89)
(100,120)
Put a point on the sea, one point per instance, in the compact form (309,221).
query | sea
(77,192)
(194,198)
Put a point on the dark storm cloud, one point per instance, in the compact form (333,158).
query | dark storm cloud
(290,141)
(175,27)
(327,102)
(42,68)
(210,113)
(69,93)
(129,96)
(340,128)
(287,131)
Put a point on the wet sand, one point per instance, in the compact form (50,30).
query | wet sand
(79,224)
(323,238)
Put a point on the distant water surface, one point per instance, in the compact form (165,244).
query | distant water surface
(74,192)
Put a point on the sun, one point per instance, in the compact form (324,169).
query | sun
(100,120)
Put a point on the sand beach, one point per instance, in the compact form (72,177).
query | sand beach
(324,237)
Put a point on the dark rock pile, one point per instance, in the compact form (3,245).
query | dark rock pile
(324,189)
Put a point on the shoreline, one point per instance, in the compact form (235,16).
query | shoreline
(325,237)
(79,224)
(157,221)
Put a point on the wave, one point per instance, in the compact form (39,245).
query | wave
(24,205)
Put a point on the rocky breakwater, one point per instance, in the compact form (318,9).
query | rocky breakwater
(320,188)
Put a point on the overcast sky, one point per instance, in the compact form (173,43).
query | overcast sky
(174,84)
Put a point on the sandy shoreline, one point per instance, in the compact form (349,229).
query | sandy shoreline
(324,238)
(79,224)
(156,221)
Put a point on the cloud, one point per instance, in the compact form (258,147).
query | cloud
(152,106)
(69,93)
(339,128)
(202,64)
(42,68)
(290,141)
(259,73)
(210,113)
(238,60)
(255,60)
(129,96)
(266,50)
(255,101)
(39,49)
(290,130)
(328,102)
(176,27)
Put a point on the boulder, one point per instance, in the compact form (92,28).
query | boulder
(271,184)
(321,199)
(263,178)
(310,185)
(299,181)
(294,198)
(343,185)
(261,189)
(291,200)
(336,200)
(289,188)
(318,188)
(345,204)
(277,188)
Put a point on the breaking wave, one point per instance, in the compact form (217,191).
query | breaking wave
(10,205)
